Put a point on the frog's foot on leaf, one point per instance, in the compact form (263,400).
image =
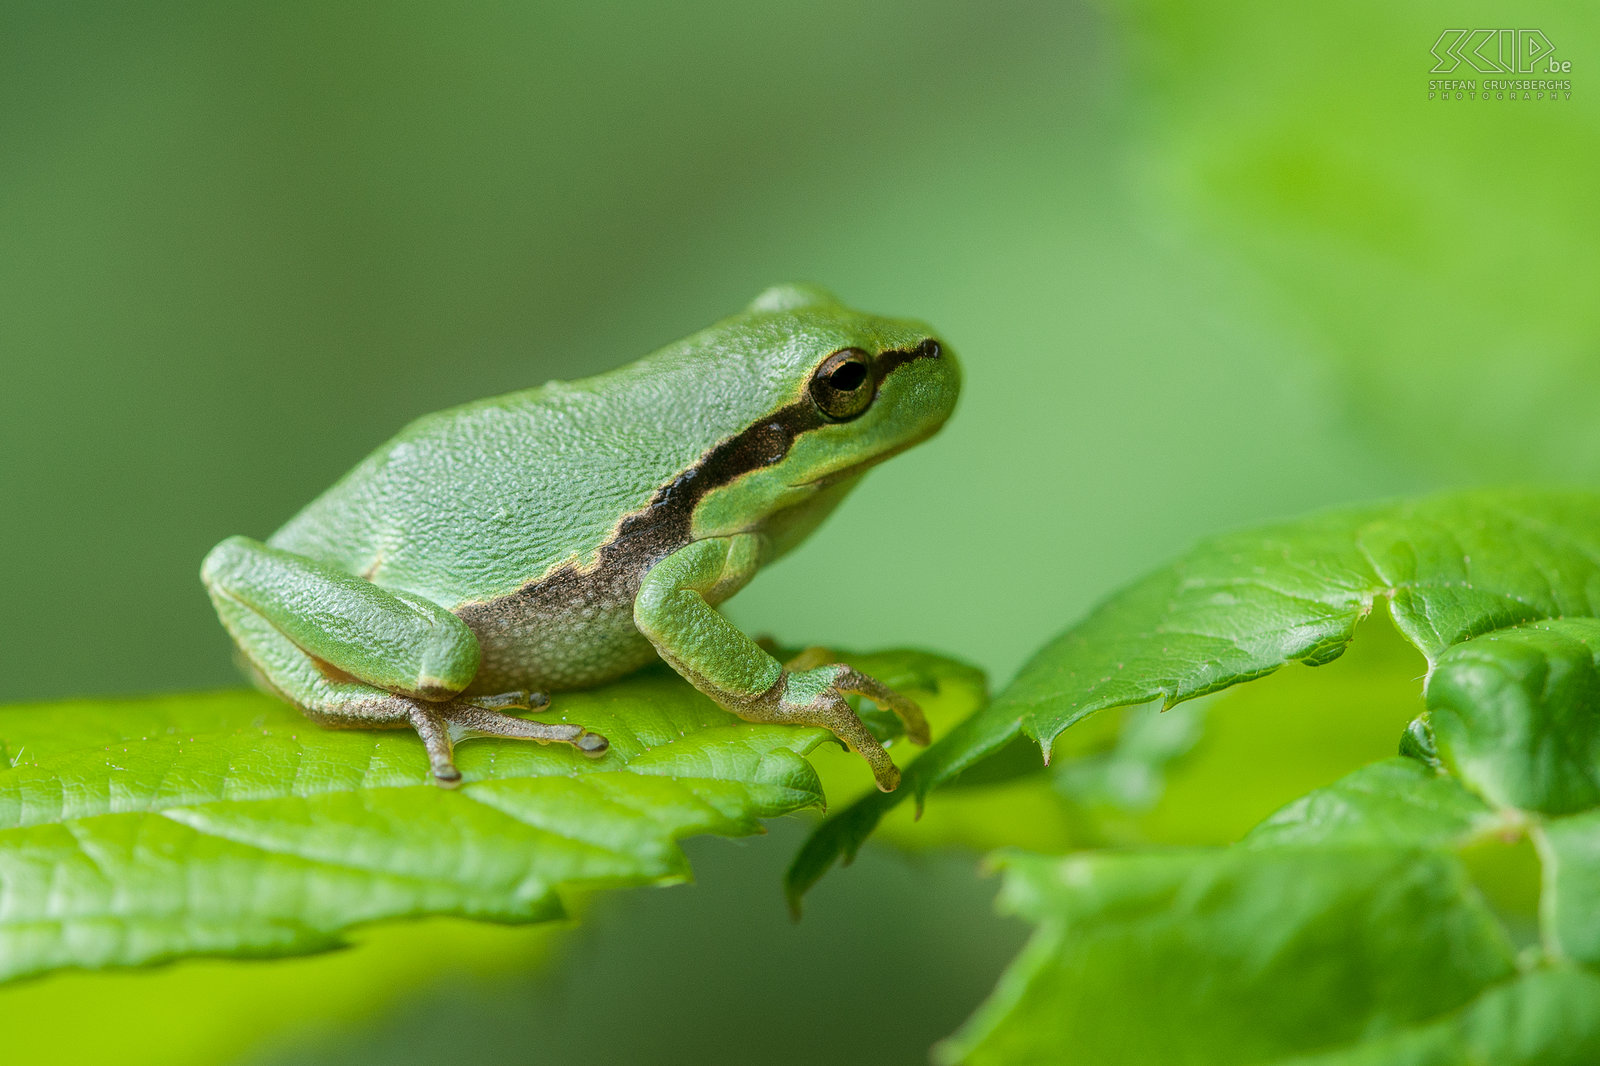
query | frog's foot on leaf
(855,683)
(441,724)
(815,697)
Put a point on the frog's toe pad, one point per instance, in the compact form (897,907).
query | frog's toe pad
(592,744)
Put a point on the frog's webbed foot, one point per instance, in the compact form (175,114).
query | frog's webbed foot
(441,724)
(672,610)
(856,683)
(815,697)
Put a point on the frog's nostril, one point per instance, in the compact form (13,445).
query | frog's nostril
(929,349)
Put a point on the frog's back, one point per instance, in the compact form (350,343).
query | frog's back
(475,502)
(534,516)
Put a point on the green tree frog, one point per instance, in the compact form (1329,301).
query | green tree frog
(562,536)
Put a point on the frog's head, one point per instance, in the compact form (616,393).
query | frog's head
(824,393)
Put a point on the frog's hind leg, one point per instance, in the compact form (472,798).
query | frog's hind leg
(392,640)
(482,716)
(485,716)
(354,656)
(328,696)
(855,682)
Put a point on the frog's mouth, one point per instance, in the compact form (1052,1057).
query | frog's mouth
(845,473)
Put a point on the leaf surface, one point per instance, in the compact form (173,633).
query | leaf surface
(1570,850)
(1548,1017)
(1397,801)
(1360,894)
(1223,955)
(1516,715)
(135,831)
(1240,606)
(1398,893)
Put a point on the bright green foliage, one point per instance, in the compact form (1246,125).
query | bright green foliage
(1231,956)
(1571,854)
(1547,1017)
(1395,802)
(1513,714)
(1356,895)
(141,830)
(1240,606)
(1432,910)
(1129,775)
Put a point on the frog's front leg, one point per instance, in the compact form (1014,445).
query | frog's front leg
(672,609)
(352,655)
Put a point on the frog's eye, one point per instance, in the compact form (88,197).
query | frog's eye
(843,386)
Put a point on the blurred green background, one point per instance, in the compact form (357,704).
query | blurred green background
(1206,264)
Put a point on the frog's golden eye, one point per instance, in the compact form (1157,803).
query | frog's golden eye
(843,386)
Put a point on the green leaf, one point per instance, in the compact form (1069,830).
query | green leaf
(841,835)
(1370,893)
(206,1011)
(141,830)
(1130,775)
(1394,802)
(1097,789)
(1232,955)
(1516,714)
(1549,1017)
(1570,850)
(1242,605)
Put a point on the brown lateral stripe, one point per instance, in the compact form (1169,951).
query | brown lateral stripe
(663,525)
(668,517)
